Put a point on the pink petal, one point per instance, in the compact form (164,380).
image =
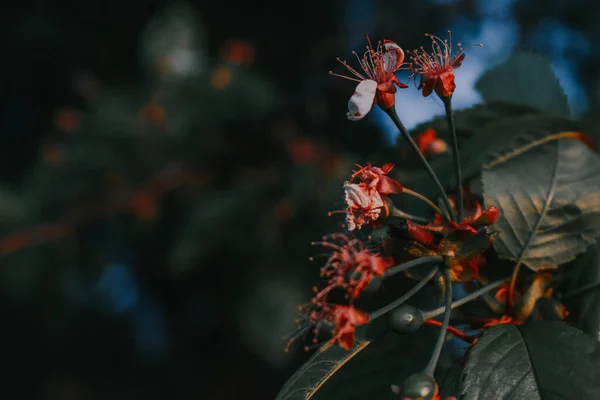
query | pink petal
(388,185)
(361,101)
(394,57)
(387,167)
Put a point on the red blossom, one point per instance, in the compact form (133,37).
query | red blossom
(436,69)
(460,243)
(377,82)
(346,318)
(363,205)
(349,269)
(375,177)
(429,144)
(363,194)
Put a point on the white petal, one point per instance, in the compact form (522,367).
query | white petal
(362,100)
(394,57)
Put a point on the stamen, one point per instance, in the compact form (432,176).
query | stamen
(345,77)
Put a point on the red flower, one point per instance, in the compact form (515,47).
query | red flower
(377,83)
(375,177)
(363,194)
(349,268)
(429,143)
(345,319)
(436,69)
(460,243)
(364,205)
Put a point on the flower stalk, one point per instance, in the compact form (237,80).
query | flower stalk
(398,302)
(391,112)
(446,322)
(447,100)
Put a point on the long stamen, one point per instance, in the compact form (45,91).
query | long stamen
(345,77)
(352,70)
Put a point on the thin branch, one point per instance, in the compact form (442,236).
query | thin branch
(455,155)
(412,263)
(391,111)
(396,303)
(472,296)
(446,322)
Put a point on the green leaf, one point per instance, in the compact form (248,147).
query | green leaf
(584,308)
(527,79)
(540,360)
(548,193)
(450,384)
(486,139)
(366,371)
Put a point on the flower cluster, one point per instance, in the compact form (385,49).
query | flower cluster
(349,270)
(377,83)
(365,194)
(460,243)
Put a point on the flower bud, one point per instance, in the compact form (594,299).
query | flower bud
(406,319)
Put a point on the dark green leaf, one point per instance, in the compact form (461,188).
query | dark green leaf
(527,79)
(548,193)
(471,120)
(584,308)
(450,383)
(366,371)
(489,138)
(540,360)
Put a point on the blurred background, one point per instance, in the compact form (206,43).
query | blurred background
(165,166)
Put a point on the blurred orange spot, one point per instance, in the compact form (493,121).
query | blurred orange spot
(430,144)
(284,210)
(67,119)
(220,78)
(238,52)
(153,113)
(302,150)
(52,154)
(144,206)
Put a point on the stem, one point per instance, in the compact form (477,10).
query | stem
(452,330)
(399,213)
(511,288)
(391,111)
(412,263)
(405,297)
(425,199)
(455,156)
(440,310)
(446,322)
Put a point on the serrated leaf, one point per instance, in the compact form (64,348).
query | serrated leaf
(489,138)
(540,360)
(366,371)
(527,79)
(548,193)
(584,308)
